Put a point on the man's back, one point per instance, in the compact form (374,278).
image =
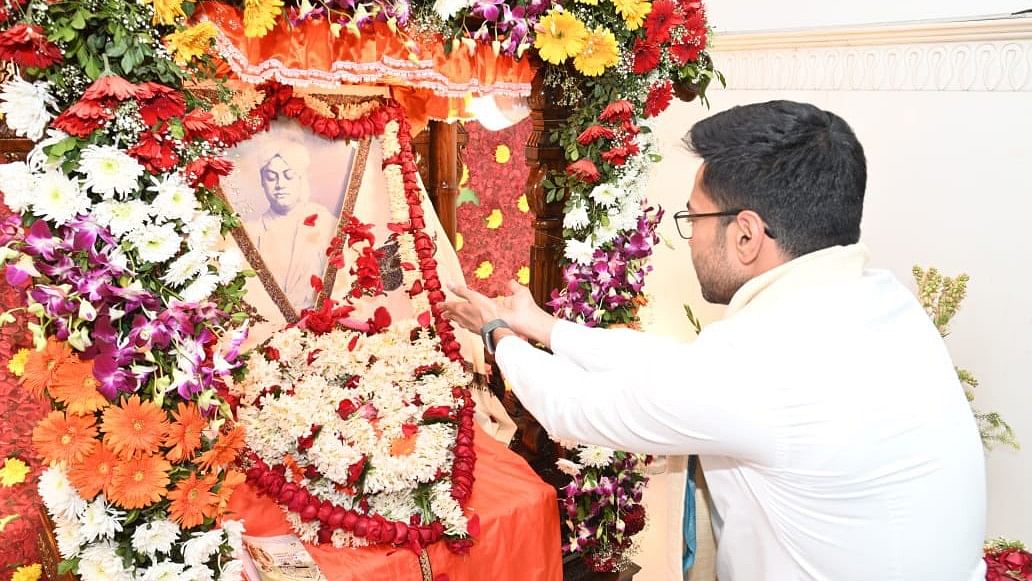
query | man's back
(874,468)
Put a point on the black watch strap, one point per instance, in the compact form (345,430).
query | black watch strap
(487,329)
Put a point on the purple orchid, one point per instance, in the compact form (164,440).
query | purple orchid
(149,333)
(135,298)
(39,241)
(10,229)
(54,299)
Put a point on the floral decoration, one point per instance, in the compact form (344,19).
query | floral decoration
(1007,560)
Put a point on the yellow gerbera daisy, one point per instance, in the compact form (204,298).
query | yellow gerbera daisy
(633,12)
(560,36)
(599,52)
(167,11)
(190,43)
(260,16)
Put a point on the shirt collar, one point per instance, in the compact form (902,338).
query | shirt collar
(823,266)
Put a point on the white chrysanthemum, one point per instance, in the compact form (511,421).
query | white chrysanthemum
(579,251)
(605,233)
(204,232)
(24,106)
(234,534)
(100,562)
(447,9)
(69,536)
(308,532)
(595,456)
(606,194)
(58,198)
(175,200)
(122,217)
(232,571)
(155,537)
(577,217)
(200,289)
(38,159)
(156,243)
(18,184)
(185,267)
(109,170)
(201,547)
(200,573)
(164,571)
(231,263)
(58,494)
(100,521)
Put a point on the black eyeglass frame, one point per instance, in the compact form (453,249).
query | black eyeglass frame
(689,217)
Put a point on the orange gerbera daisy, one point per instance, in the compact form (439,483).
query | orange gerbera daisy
(134,427)
(192,501)
(40,367)
(233,479)
(185,433)
(140,482)
(73,385)
(64,437)
(95,473)
(225,450)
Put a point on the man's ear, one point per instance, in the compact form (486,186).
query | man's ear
(748,231)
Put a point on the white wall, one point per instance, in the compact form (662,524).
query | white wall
(751,15)
(949,185)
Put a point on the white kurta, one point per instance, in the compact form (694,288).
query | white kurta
(835,437)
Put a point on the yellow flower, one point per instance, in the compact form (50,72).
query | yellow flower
(484,270)
(502,154)
(167,11)
(260,16)
(458,241)
(13,472)
(523,275)
(465,175)
(522,205)
(588,2)
(28,573)
(17,363)
(190,43)
(560,36)
(633,12)
(494,220)
(599,53)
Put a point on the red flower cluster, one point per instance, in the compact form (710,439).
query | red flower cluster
(619,134)
(1008,564)
(658,99)
(26,46)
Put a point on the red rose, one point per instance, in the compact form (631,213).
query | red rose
(26,45)
(355,470)
(345,408)
(309,512)
(440,412)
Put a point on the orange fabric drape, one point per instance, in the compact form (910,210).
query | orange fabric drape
(519,529)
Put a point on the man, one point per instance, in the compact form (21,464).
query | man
(835,438)
(292,235)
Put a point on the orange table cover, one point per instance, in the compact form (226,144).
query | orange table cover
(519,530)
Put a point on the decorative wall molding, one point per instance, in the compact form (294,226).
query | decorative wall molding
(978,56)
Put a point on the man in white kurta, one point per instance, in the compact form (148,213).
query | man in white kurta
(835,437)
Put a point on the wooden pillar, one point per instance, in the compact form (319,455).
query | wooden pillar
(543,157)
(444,178)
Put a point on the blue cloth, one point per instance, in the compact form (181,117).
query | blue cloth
(690,542)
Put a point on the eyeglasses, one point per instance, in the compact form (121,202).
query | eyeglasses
(684,220)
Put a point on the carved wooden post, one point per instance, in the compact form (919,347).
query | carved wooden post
(444,180)
(543,157)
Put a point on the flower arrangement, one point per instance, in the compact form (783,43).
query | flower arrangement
(131,296)
(601,504)
(1006,560)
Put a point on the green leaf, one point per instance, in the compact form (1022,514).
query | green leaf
(127,62)
(78,21)
(468,196)
(92,69)
(67,566)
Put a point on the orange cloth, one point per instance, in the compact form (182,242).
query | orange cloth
(519,530)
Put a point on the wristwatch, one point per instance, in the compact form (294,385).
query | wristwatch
(488,328)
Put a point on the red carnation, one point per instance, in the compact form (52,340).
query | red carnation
(594,133)
(25,45)
(110,86)
(660,20)
(646,56)
(584,170)
(617,111)
(206,171)
(634,520)
(658,99)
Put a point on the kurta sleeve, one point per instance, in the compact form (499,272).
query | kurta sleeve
(675,399)
(604,349)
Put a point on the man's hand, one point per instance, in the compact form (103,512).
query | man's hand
(517,309)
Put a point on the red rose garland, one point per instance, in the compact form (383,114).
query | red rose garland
(272,480)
